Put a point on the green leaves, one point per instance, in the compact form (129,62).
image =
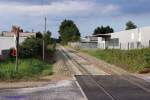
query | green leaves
(68,32)
(130,25)
(31,47)
(103,30)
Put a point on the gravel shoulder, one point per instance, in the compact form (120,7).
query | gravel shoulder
(61,90)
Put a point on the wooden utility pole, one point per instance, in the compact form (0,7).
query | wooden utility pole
(45,27)
(43,38)
(16,31)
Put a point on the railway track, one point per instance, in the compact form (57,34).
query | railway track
(127,76)
(88,77)
(78,65)
(86,72)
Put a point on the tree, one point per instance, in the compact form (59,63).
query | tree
(39,35)
(109,29)
(103,30)
(68,32)
(130,25)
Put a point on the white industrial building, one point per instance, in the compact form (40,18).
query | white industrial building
(7,40)
(128,39)
(133,37)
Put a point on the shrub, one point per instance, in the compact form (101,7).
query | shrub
(39,35)
(31,47)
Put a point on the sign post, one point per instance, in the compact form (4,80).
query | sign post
(16,31)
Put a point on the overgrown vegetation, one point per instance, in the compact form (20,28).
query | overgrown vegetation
(28,69)
(33,46)
(31,64)
(131,60)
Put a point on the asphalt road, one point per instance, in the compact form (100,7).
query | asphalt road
(112,87)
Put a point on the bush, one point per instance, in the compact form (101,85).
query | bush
(39,35)
(31,47)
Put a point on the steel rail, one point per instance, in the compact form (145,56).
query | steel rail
(82,69)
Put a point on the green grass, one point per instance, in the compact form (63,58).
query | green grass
(51,48)
(131,60)
(27,69)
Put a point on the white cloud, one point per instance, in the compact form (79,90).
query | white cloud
(65,8)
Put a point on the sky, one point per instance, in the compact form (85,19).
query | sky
(86,14)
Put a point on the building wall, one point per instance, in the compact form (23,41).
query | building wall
(8,42)
(133,35)
(130,38)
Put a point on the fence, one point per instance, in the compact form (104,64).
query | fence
(107,45)
(129,45)
(83,45)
